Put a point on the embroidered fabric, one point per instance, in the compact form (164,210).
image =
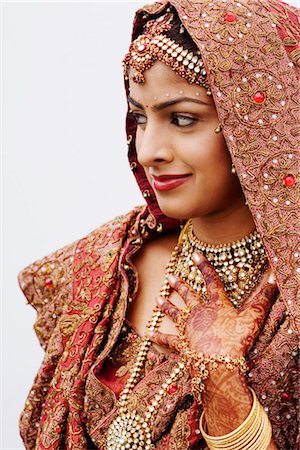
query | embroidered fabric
(81,291)
(72,368)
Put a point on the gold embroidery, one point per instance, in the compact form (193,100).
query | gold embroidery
(180,432)
(68,324)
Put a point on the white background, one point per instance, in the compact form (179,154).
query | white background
(64,155)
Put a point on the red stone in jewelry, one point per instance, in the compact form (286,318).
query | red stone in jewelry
(134,337)
(49,283)
(58,429)
(286,396)
(289,180)
(230,17)
(172,388)
(259,97)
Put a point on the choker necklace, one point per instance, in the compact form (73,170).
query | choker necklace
(240,266)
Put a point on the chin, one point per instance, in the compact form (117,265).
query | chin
(179,211)
(183,208)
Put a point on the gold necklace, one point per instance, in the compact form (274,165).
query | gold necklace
(129,430)
(240,264)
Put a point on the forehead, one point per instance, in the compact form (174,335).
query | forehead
(161,80)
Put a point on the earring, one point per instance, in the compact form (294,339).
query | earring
(233,169)
(182,29)
(218,129)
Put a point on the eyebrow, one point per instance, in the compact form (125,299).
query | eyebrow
(168,103)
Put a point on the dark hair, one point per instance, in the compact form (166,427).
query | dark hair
(178,32)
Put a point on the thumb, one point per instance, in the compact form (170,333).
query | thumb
(263,296)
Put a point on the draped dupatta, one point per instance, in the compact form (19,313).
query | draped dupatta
(257,52)
(74,291)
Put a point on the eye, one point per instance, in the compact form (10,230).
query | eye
(183,121)
(139,118)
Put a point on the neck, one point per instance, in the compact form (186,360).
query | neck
(225,226)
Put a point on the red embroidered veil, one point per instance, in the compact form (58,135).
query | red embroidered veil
(80,291)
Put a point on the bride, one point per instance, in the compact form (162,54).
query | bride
(176,325)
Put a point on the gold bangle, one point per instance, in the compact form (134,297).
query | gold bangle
(260,441)
(246,436)
(268,435)
(255,433)
(236,432)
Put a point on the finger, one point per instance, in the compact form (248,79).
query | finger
(168,309)
(215,289)
(260,301)
(169,341)
(185,291)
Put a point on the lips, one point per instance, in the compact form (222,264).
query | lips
(168,182)
(168,177)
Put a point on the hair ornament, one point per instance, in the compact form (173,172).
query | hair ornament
(154,45)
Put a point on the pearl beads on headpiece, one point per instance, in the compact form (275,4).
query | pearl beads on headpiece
(154,45)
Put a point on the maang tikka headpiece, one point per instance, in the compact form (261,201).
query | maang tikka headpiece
(154,45)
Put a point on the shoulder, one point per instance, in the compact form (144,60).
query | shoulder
(47,283)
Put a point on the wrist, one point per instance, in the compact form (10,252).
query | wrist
(221,381)
(254,432)
(226,399)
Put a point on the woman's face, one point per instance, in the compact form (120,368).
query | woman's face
(186,162)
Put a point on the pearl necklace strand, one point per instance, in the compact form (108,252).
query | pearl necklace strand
(130,431)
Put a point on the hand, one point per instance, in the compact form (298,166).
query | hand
(216,326)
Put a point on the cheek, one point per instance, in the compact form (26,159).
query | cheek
(211,155)
(137,143)
(138,139)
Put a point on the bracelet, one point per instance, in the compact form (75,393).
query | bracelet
(200,362)
(204,364)
(255,433)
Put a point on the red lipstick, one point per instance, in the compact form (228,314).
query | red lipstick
(168,182)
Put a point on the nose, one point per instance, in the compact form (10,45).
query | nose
(153,145)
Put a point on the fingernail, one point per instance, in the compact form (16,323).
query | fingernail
(159,300)
(172,279)
(198,258)
(272,279)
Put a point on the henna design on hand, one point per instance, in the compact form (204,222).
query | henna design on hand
(216,327)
